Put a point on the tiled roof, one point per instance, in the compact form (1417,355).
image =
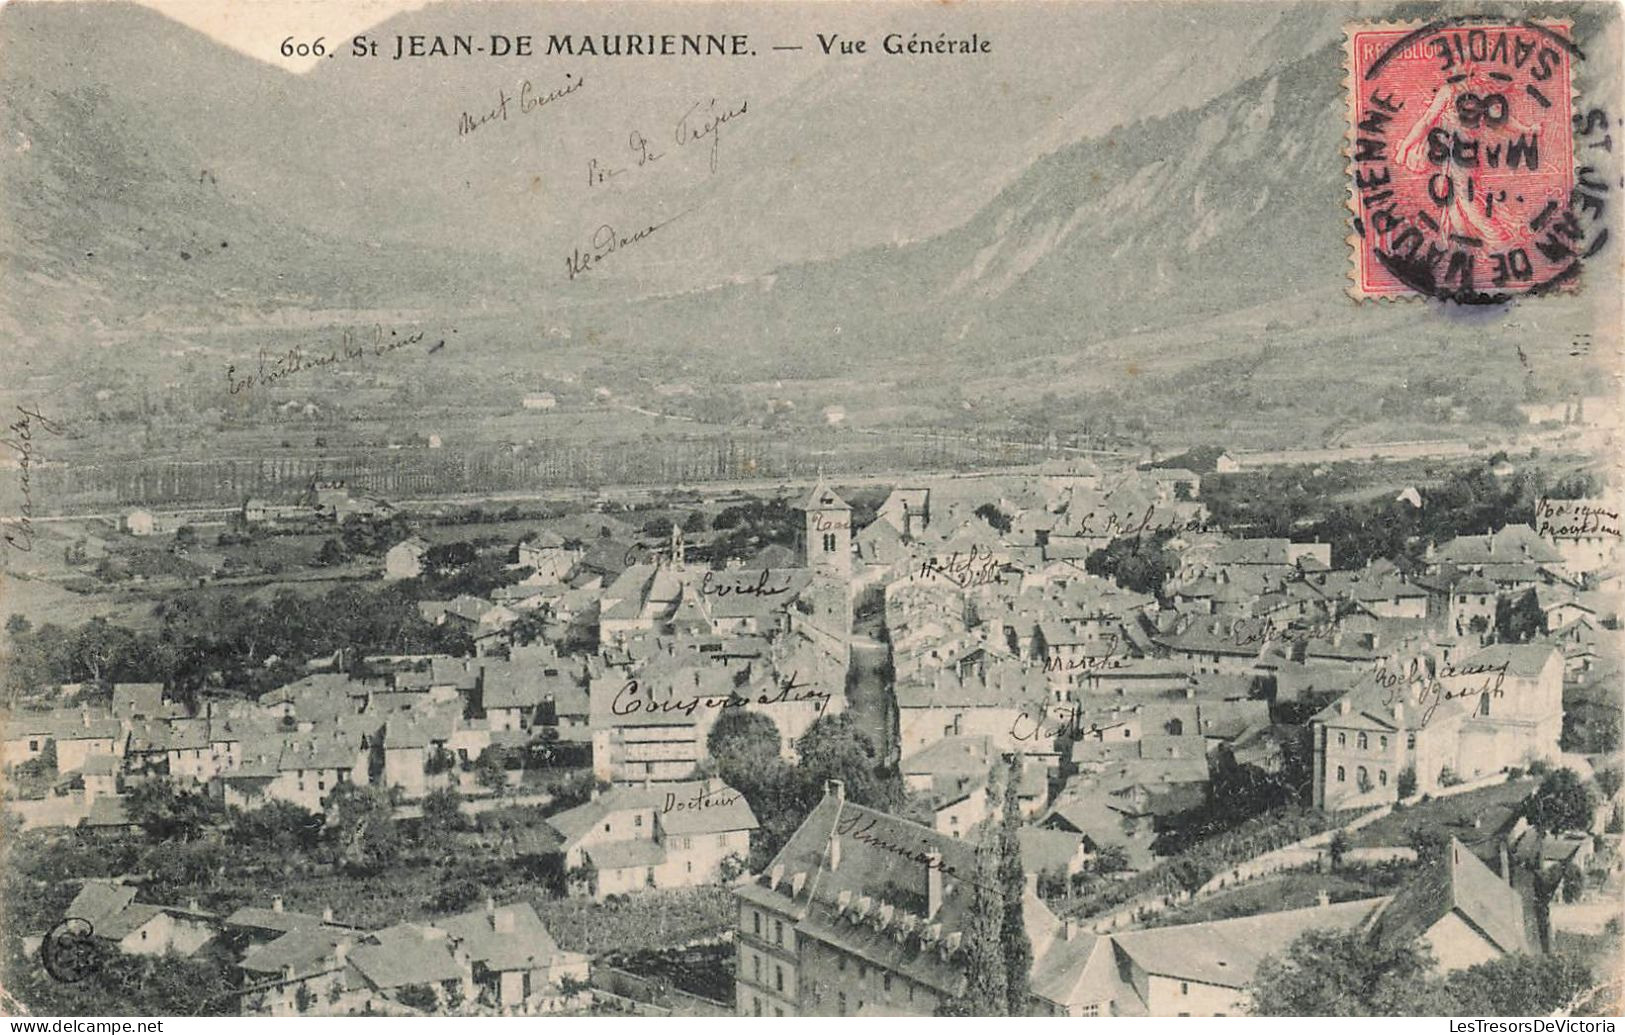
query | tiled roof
(1227,952)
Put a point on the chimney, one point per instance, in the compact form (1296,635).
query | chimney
(327,914)
(1506,864)
(1323,897)
(933,884)
(1399,712)
(1069,929)
(341,953)
(1343,706)
(490,906)
(191,904)
(276,904)
(835,789)
(504,922)
(834,852)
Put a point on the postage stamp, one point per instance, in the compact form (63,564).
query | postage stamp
(1461,159)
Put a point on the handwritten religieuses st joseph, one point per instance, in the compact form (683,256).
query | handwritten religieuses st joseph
(1049,510)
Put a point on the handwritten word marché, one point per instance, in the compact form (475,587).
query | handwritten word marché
(274,366)
(21,442)
(629,700)
(529,99)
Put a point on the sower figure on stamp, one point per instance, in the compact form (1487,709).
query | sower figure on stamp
(1469,117)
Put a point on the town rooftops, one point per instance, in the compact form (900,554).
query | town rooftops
(1227,952)
(510,937)
(1457,882)
(406,954)
(822,497)
(689,807)
(306,950)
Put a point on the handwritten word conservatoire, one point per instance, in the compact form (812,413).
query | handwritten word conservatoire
(530,98)
(630,699)
(274,366)
(861,828)
(21,443)
(606,241)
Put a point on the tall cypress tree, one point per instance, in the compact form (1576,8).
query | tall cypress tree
(985,993)
(1017,947)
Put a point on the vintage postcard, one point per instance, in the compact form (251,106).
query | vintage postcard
(770,509)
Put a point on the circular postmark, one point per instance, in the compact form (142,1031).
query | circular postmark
(1467,180)
(69,950)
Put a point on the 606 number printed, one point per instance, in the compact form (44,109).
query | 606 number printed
(315,48)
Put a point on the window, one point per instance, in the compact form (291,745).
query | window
(1362,777)
(778,931)
(1382,742)
(1184,988)
(829,542)
(1091,1010)
(840,1004)
(756,923)
(1483,704)
(1342,739)
(756,968)
(863,970)
(606,828)
(756,1005)
(33,745)
(1363,742)
(840,964)
(1410,741)
(885,982)
(1340,774)
(778,1011)
(690,866)
(637,821)
(778,977)
(1382,777)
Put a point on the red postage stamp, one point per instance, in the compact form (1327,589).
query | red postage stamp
(1461,159)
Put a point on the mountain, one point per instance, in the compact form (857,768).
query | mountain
(1113,225)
